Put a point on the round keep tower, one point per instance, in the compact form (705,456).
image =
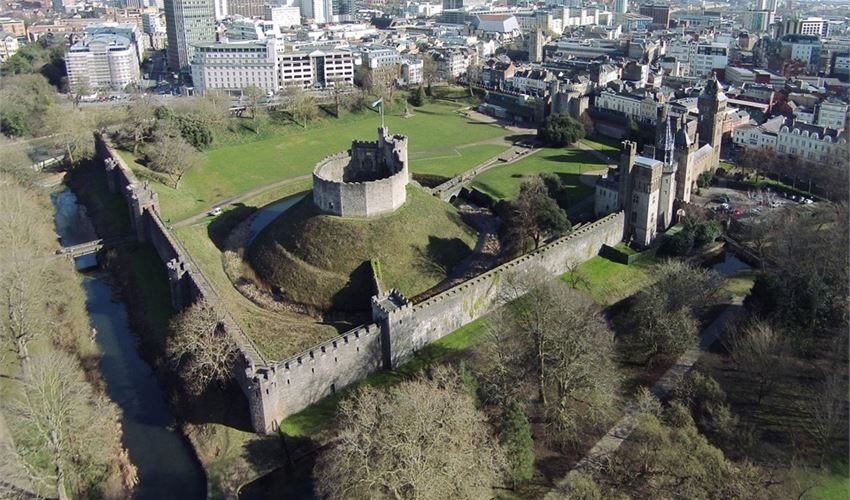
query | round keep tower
(369,179)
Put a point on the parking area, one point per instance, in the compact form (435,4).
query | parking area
(744,203)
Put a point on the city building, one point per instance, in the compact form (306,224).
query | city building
(535,46)
(233,66)
(269,65)
(246,8)
(102,61)
(810,143)
(127,30)
(758,136)
(8,45)
(320,11)
(660,14)
(411,71)
(814,26)
(832,113)
(802,48)
(188,22)
(14,27)
(757,21)
(284,17)
(621,6)
(316,67)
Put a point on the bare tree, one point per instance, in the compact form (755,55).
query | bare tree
(663,315)
(759,349)
(73,129)
(141,117)
(200,349)
(562,334)
(23,274)
(301,104)
(61,445)
(212,109)
(342,94)
(421,439)
(254,96)
(381,81)
(173,156)
(473,77)
(828,413)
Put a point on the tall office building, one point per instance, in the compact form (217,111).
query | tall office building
(187,22)
(660,14)
(320,11)
(621,6)
(220,9)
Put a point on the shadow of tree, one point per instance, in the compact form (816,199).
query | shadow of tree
(220,227)
(440,255)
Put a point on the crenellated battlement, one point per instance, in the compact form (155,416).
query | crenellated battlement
(369,179)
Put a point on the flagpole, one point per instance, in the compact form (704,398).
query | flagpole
(382,113)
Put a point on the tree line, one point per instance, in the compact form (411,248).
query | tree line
(64,434)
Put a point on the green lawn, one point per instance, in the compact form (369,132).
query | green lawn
(319,416)
(434,130)
(608,282)
(503,182)
(448,162)
(609,147)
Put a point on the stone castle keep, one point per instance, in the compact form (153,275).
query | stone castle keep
(369,179)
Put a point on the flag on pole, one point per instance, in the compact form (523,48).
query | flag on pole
(379,101)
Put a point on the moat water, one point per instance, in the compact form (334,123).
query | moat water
(166,464)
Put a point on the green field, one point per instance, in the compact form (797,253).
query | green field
(448,162)
(503,182)
(435,131)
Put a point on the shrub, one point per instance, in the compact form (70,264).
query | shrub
(560,130)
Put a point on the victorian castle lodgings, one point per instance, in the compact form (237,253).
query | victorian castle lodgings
(646,186)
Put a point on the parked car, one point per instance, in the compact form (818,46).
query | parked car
(215,211)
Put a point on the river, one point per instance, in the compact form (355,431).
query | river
(166,463)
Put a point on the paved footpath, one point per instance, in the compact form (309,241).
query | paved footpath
(604,448)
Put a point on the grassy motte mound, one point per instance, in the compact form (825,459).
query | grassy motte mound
(324,260)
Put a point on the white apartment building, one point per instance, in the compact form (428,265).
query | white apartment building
(102,61)
(411,71)
(235,65)
(832,113)
(243,28)
(635,107)
(316,67)
(320,11)
(376,56)
(267,65)
(810,143)
(758,136)
(708,58)
(285,17)
(8,45)
(702,58)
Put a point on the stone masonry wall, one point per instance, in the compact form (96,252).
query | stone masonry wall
(397,335)
(413,326)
